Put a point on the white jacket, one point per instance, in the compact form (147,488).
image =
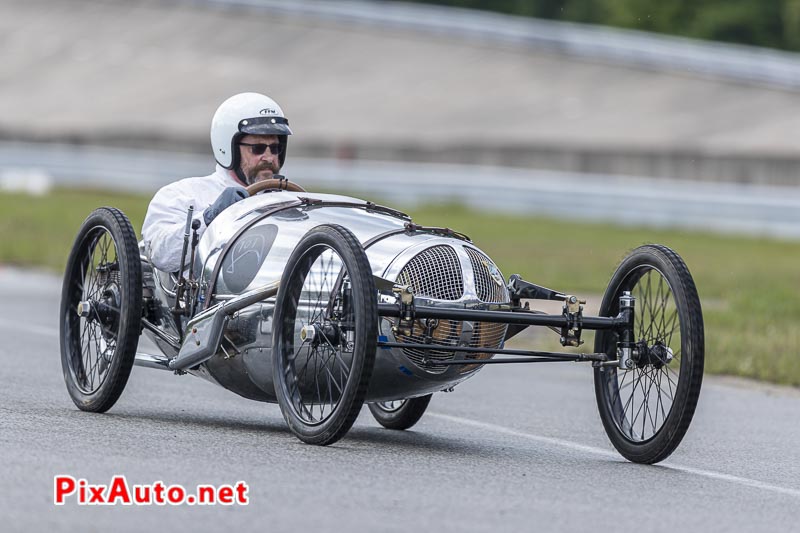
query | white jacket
(165,221)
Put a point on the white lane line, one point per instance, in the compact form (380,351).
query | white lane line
(606,453)
(538,438)
(735,479)
(28,328)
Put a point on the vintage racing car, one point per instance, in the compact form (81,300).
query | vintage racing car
(322,303)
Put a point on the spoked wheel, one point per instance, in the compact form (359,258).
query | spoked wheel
(400,414)
(101,307)
(325,334)
(646,409)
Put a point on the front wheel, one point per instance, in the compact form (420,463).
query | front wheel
(646,409)
(325,334)
(400,414)
(101,310)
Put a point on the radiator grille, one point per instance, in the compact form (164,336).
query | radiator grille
(435,273)
(487,288)
(447,334)
(486,334)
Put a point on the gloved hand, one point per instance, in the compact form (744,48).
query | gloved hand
(229,196)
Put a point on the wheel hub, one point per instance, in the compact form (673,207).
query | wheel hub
(105,310)
(84,309)
(656,355)
(317,333)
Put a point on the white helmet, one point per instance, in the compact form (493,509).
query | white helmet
(246,113)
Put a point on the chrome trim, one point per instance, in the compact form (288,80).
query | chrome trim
(251,297)
(151,361)
(145,258)
(161,286)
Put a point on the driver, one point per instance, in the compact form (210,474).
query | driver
(249,136)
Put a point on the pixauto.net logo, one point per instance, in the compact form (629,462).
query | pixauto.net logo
(119,492)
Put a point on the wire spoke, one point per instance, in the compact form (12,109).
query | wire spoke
(642,402)
(320,377)
(92,343)
(648,412)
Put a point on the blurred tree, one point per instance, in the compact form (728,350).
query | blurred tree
(771,23)
(741,21)
(791,24)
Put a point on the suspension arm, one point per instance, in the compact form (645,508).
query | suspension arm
(529,356)
(502,317)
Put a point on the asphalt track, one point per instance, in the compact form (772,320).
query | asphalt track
(515,449)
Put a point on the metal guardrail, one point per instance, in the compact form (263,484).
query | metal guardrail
(640,49)
(721,207)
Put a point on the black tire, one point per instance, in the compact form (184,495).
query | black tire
(401,414)
(646,410)
(322,384)
(104,270)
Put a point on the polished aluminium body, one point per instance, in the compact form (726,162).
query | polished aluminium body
(325,302)
(247,247)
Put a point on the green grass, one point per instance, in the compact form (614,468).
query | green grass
(749,287)
(39,230)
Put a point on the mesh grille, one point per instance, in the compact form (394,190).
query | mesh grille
(486,287)
(447,334)
(435,273)
(488,335)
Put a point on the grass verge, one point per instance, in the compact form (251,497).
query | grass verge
(749,287)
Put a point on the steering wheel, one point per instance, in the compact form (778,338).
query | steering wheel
(272,183)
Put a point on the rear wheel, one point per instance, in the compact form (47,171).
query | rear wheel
(646,409)
(100,314)
(325,334)
(400,414)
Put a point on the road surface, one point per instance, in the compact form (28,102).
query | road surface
(515,449)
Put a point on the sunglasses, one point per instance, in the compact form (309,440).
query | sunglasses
(260,148)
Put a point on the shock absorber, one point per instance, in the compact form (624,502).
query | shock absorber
(626,340)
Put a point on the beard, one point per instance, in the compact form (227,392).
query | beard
(257,173)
